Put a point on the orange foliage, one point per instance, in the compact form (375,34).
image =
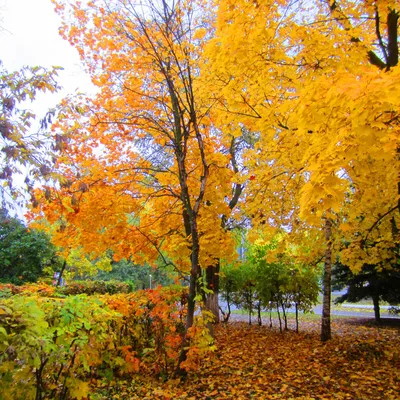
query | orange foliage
(131,169)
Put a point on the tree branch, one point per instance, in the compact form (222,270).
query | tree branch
(393,46)
(377,222)
(378,34)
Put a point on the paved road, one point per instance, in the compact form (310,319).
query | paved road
(345,313)
(354,313)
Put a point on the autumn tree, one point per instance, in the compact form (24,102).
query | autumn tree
(143,169)
(232,217)
(317,84)
(24,146)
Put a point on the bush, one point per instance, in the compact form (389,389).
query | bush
(7,290)
(52,348)
(47,346)
(94,287)
(41,289)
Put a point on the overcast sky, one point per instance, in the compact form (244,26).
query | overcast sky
(30,37)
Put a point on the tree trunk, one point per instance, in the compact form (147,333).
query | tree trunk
(326,304)
(249,301)
(212,304)
(194,276)
(377,310)
(61,273)
(227,315)
(284,315)
(297,318)
(279,317)
(212,277)
(189,323)
(270,316)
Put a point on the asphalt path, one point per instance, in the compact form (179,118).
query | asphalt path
(361,313)
(354,313)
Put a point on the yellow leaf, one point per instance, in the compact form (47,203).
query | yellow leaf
(344,227)
(80,390)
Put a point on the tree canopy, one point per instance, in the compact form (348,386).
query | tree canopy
(282,115)
(23,253)
(23,151)
(271,126)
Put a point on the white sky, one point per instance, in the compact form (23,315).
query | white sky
(30,37)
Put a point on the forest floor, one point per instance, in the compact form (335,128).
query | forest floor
(362,361)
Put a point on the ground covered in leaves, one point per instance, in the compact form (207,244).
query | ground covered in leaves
(362,361)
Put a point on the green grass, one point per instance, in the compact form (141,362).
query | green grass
(355,308)
(274,314)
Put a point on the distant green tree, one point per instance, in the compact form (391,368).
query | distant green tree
(304,289)
(372,282)
(23,252)
(284,283)
(139,275)
(257,285)
(272,285)
(229,286)
(246,296)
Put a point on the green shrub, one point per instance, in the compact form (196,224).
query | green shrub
(48,346)
(52,348)
(94,287)
(8,289)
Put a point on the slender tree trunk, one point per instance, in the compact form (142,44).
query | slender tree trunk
(377,310)
(61,273)
(250,302)
(250,310)
(259,313)
(297,318)
(212,277)
(326,304)
(270,316)
(228,303)
(227,315)
(284,315)
(279,317)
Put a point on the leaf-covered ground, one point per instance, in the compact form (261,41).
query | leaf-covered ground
(360,362)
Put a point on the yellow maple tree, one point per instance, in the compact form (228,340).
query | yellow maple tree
(316,81)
